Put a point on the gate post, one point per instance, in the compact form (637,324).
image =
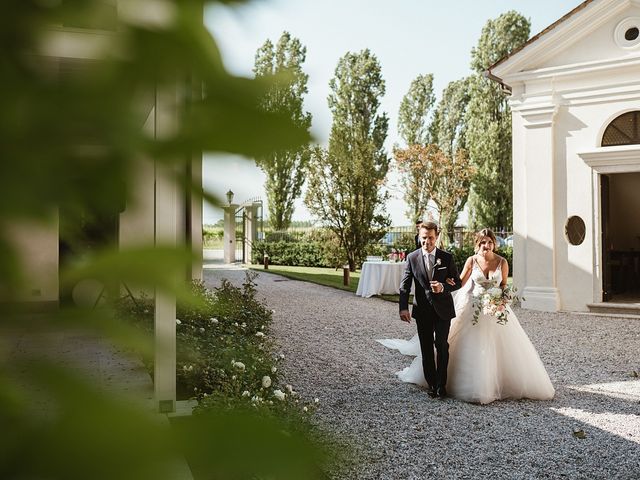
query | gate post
(251,231)
(229,237)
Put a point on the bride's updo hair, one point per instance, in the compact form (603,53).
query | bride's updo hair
(484,233)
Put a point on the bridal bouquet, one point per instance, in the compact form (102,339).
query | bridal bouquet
(494,301)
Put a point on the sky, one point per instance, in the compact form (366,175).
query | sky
(409,38)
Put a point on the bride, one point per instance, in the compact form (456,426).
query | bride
(488,358)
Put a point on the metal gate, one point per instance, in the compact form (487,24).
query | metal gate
(249,228)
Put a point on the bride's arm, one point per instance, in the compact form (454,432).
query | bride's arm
(466,273)
(466,270)
(505,272)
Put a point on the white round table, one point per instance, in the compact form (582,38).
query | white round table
(378,278)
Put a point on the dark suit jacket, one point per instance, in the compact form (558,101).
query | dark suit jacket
(416,272)
(418,242)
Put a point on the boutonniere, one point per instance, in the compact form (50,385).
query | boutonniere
(438,262)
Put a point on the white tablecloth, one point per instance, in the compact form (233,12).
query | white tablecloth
(380,278)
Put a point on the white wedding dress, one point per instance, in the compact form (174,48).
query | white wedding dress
(487,361)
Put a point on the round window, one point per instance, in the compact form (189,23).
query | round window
(631,34)
(575,230)
(627,33)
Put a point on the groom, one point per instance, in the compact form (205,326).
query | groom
(429,268)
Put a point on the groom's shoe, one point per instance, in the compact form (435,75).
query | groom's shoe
(442,392)
(432,392)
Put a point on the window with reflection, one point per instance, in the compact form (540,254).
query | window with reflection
(624,130)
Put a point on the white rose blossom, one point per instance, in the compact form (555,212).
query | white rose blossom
(266,381)
(259,334)
(178,322)
(274,369)
(279,394)
(495,292)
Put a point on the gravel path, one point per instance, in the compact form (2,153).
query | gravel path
(328,338)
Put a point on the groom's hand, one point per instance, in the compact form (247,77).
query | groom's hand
(436,287)
(405,316)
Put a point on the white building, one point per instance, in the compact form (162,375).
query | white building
(575,97)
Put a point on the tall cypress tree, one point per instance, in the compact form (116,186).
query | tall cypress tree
(414,129)
(489,124)
(285,169)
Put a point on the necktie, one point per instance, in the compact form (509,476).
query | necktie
(431,266)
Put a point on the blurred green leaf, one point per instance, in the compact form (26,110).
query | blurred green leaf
(240,445)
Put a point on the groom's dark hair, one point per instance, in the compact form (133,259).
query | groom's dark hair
(431,226)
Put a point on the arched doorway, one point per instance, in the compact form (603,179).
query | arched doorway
(620,213)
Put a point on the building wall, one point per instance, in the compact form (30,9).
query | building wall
(37,247)
(578,109)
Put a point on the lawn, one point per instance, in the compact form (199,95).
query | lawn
(329,277)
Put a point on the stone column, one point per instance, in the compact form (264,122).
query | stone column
(167,200)
(229,236)
(534,206)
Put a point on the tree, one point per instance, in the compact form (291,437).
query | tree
(414,111)
(489,124)
(345,181)
(446,177)
(284,168)
(448,129)
(413,126)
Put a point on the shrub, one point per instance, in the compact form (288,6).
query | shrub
(225,356)
(212,236)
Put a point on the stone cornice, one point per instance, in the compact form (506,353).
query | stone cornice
(620,159)
(536,115)
(562,37)
(574,69)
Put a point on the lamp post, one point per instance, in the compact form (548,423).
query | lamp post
(229,197)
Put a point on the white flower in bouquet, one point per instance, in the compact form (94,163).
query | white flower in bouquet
(495,302)
(259,334)
(274,369)
(495,292)
(266,381)
(279,394)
